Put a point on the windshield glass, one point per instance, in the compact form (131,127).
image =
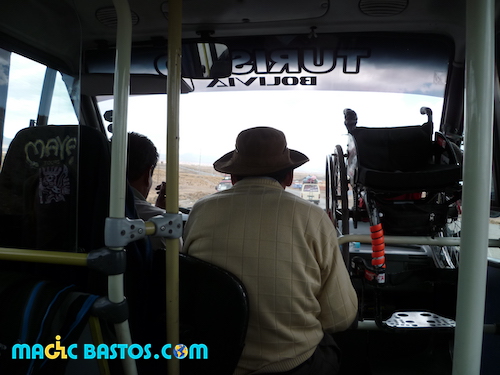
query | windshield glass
(375,63)
(300,86)
(313,122)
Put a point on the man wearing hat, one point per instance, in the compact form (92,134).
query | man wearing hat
(285,251)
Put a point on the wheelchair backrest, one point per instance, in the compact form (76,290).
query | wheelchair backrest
(402,149)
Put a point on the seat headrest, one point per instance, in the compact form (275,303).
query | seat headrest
(52,175)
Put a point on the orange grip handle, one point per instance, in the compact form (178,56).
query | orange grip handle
(378,246)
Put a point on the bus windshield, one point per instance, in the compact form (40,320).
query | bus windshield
(298,85)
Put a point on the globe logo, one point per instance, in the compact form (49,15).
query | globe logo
(180,351)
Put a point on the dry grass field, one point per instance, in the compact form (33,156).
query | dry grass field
(195,182)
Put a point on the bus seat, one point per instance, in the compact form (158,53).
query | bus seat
(37,312)
(213,311)
(54,195)
(54,188)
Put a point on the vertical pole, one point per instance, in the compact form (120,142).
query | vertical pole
(120,108)
(49,84)
(4,88)
(119,156)
(476,190)
(172,183)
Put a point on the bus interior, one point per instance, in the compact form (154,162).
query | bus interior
(395,102)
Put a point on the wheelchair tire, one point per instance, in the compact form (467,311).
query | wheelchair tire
(340,188)
(329,191)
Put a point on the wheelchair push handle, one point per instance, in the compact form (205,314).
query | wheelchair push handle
(426,111)
(350,119)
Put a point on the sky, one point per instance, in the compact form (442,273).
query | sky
(313,122)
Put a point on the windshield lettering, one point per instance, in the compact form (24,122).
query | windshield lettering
(263,81)
(318,61)
(285,61)
(352,59)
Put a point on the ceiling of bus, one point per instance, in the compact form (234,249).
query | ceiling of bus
(54,27)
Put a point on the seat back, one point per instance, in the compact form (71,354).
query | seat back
(54,195)
(34,312)
(214,312)
(403,149)
(54,189)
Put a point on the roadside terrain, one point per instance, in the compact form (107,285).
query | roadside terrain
(195,182)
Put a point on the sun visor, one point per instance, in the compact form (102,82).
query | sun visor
(102,84)
(200,60)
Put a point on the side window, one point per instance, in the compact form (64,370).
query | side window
(32,94)
(39,165)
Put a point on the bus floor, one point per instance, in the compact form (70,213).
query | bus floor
(381,352)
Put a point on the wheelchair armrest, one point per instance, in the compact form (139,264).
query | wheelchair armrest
(446,152)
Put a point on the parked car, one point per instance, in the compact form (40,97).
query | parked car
(224,184)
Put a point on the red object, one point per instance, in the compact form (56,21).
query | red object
(378,246)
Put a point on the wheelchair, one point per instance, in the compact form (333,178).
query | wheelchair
(402,181)
(405,182)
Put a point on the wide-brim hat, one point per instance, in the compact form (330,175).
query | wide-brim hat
(260,150)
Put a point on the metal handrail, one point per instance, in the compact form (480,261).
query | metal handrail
(411,240)
(172,178)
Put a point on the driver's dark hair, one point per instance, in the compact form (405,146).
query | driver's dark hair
(142,155)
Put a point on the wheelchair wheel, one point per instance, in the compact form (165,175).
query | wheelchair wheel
(446,256)
(339,194)
(330,194)
(449,256)
(339,190)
